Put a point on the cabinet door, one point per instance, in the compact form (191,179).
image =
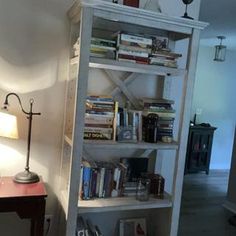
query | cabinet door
(200,150)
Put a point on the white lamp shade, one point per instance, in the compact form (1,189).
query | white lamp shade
(8,125)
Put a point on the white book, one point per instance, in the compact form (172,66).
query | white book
(136,39)
(102,171)
(133,53)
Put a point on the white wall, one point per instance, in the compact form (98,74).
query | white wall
(33,45)
(33,63)
(214,93)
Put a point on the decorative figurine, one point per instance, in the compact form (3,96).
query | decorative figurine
(187,2)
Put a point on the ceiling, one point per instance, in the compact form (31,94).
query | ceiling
(221,14)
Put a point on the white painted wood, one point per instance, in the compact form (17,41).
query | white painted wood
(137,16)
(133,100)
(158,163)
(230,206)
(117,146)
(122,203)
(96,13)
(128,80)
(85,35)
(102,63)
(184,128)
(90,144)
(231,193)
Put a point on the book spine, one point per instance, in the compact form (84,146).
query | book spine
(115,121)
(102,172)
(97,136)
(135,58)
(133,53)
(98,130)
(81,181)
(136,39)
(86,182)
(98,119)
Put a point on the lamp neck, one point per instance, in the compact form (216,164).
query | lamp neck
(30,115)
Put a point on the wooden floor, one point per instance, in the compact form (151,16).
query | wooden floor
(202,213)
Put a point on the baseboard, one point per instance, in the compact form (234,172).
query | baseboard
(230,206)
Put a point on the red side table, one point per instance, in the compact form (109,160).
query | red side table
(27,200)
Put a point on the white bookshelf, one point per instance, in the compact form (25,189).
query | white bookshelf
(88,16)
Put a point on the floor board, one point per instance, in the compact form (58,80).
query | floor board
(202,213)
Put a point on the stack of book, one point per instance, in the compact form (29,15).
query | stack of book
(165,57)
(99,48)
(166,115)
(161,54)
(100,118)
(86,228)
(133,48)
(101,179)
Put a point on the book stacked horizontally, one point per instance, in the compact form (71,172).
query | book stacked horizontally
(101,179)
(166,115)
(161,54)
(100,118)
(98,48)
(165,57)
(133,48)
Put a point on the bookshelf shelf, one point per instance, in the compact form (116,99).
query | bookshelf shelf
(116,145)
(121,204)
(139,145)
(102,63)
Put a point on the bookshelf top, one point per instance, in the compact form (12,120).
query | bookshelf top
(137,16)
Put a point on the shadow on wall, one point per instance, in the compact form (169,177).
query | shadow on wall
(32,38)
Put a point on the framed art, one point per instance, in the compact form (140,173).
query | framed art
(133,227)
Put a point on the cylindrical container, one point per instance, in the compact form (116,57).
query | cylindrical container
(143,189)
(131,3)
(151,128)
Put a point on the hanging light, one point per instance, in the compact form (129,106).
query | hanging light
(220,50)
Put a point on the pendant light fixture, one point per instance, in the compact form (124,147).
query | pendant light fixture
(220,50)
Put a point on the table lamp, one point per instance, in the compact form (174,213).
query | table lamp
(8,128)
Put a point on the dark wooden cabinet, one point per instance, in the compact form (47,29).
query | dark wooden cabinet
(199,148)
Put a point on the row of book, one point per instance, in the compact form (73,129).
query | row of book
(87,228)
(100,118)
(132,48)
(101,179)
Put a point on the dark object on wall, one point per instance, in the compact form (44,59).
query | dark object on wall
(199,148)
(115,1)
(187,2)
(131,3)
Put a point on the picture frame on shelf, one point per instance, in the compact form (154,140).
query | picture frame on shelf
(133,227)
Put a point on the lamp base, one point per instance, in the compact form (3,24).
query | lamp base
(26,177)
(187,16)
